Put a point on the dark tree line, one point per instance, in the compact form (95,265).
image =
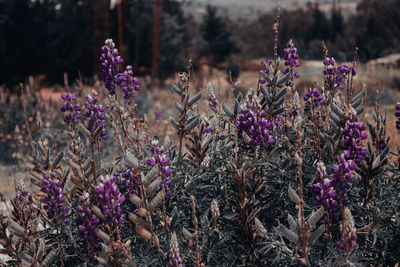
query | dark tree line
(51,37)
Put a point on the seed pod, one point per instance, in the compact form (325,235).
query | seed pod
(289,234)
(316,234)
(130,160)
(178,106)
(135,200)
(227,110)
(316,216)
(195,99)
(84,130)
(192,124)
(176,90)
(49,258)
(150,175)
(57,159)
(136,219)
(284,79)
(157,200)
(72,156)
(103,236)
(293,196)
(154,185)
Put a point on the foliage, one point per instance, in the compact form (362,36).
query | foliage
(241,184)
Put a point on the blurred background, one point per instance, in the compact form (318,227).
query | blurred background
(50,38)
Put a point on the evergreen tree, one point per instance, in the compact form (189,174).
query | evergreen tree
(217,36)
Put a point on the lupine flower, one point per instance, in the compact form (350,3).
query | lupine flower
(335,77)
(110,60)
(70,107)
(349,233)
(109,200)
(343,173)
(252,120)
(161,160)
(95,115)
(207,126)
(266,66)
(88,225)
(132,183)
(212,99)
(353,135)
(397,114)
(291,60)
(315,96)
(54,200)
(175,259)
(324,193)
(128,84)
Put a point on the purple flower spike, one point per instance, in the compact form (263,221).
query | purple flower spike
(160,160)
(291,60)
(70,108)
(95,115)
(54,200)
(110,60)
(88,225)
(252,120)
(109,200)
(175,259)
(128,84)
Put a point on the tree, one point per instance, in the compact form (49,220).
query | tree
(219,44)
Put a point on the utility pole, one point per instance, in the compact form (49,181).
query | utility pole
(156,36)
(120,28)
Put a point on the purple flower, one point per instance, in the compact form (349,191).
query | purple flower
(291,60)
(252,120)
(70,107)
(110,60)
(88,225)
(54,200)
(353,135)
(95,115)
(109,200)
(324,193)
(161,160)
(335,77)
(128,84)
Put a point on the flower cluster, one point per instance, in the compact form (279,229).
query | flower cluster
(175,259)
(397,114)
(132,183)
(349,233)
(110,60)
(161,160)
(70,107)
(252,120)
(335,77)
(128,84)
(95,115)
(315,96)
(54,200)
(109,200)
(291,59)
(353,135)
(88,225)
(212,99)
(207,126)
(325,193)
